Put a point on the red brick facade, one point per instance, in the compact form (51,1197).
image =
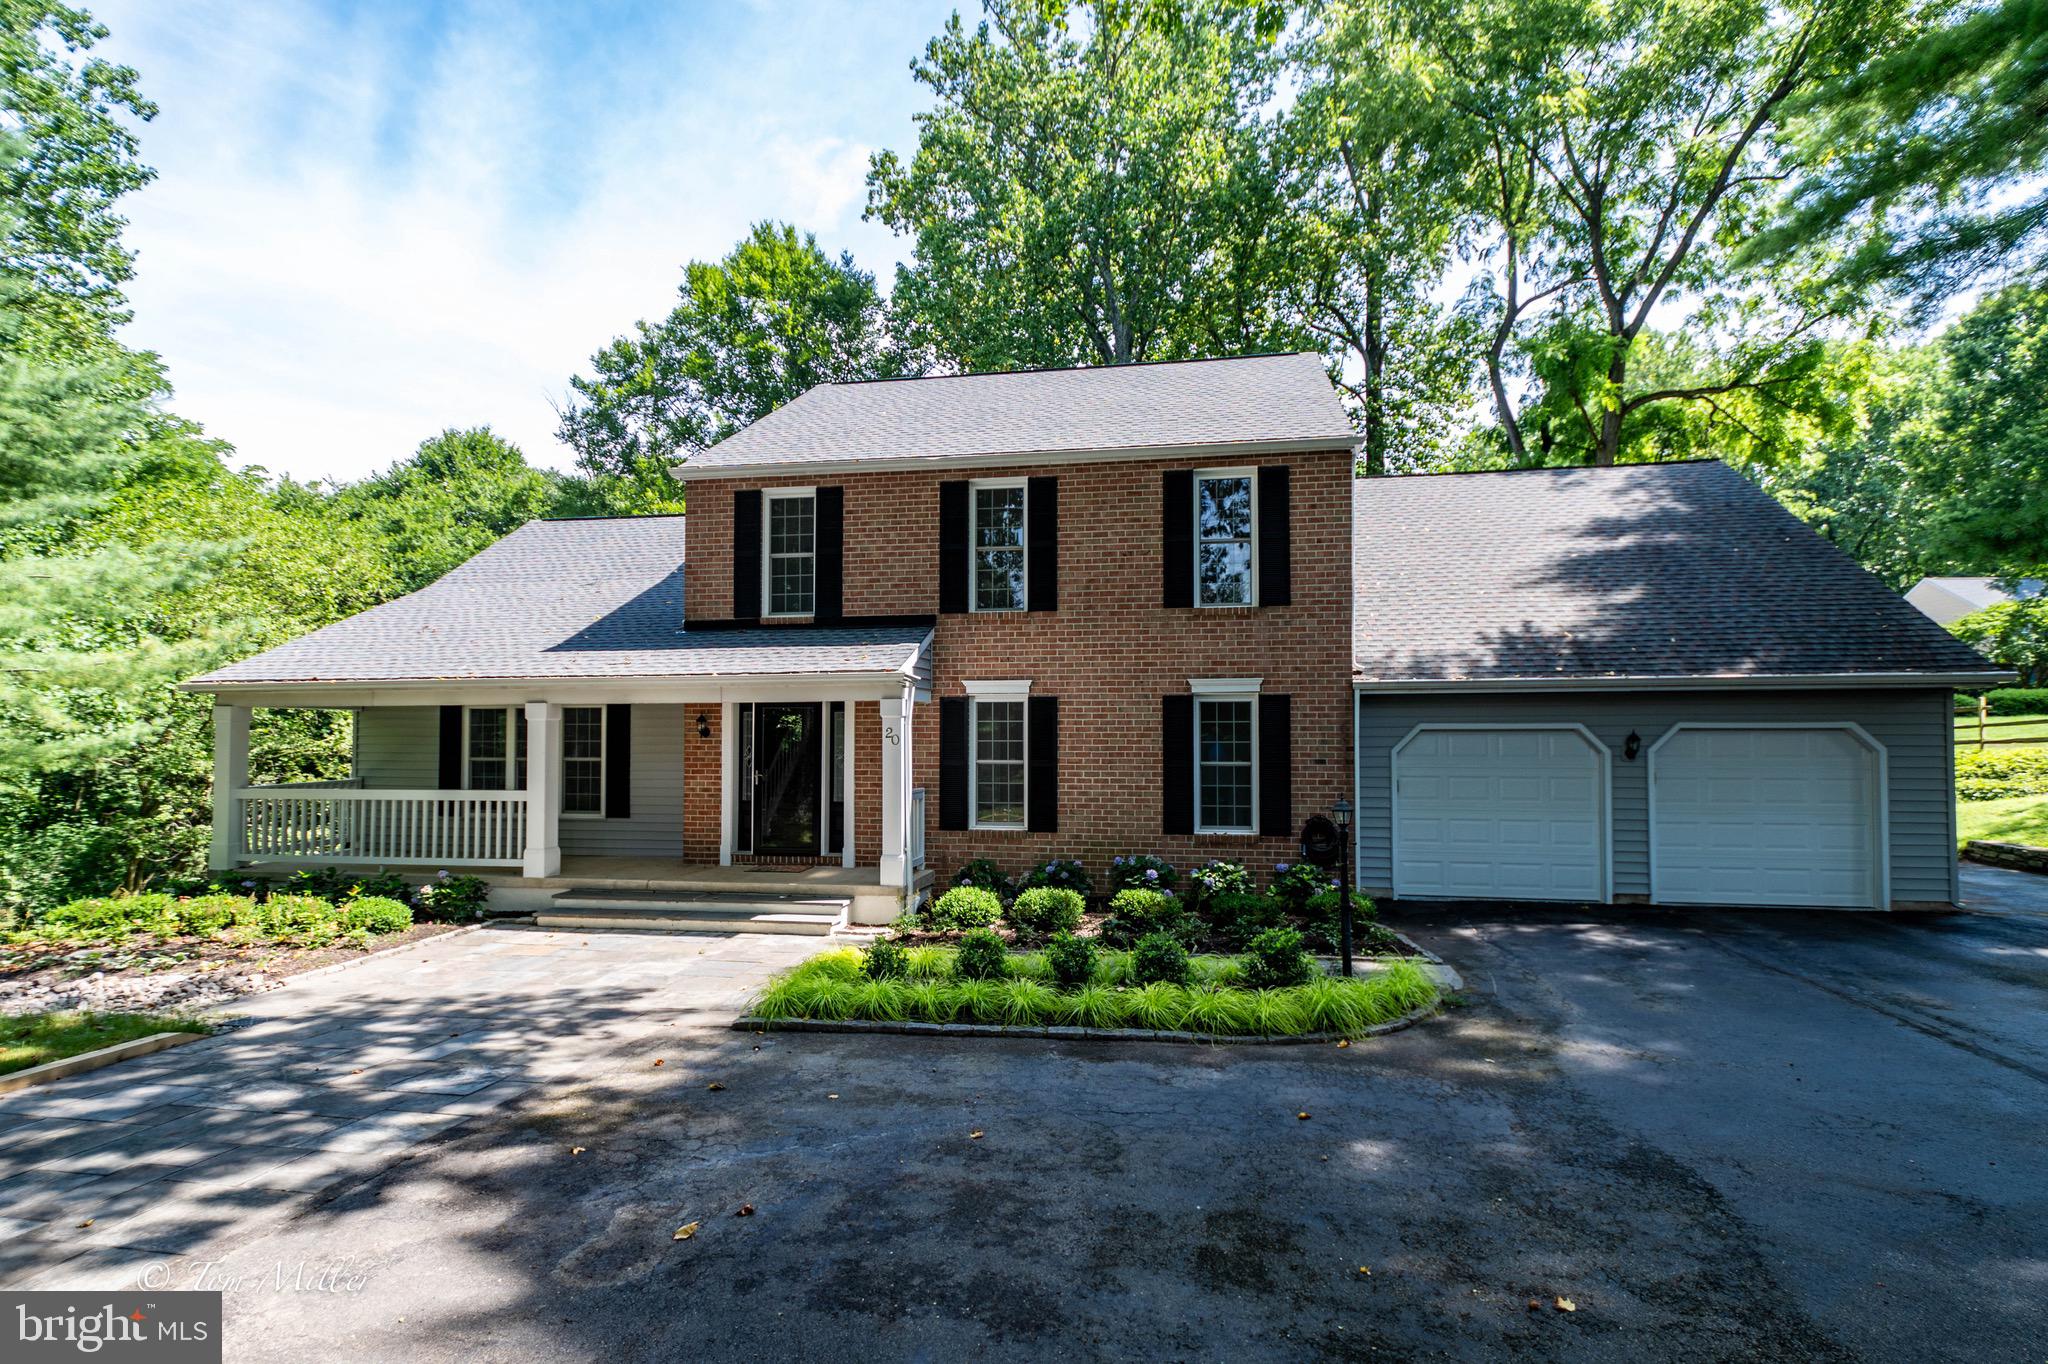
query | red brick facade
(1109,653)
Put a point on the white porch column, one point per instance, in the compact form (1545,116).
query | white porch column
(895,755)
(846,785)
(230,774)
(543,789)
(728,781)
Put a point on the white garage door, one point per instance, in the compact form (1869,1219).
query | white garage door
(1500,814)
(1764,817)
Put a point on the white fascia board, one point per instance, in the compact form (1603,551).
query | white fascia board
(1703,682)
(508,691)
(1011,458)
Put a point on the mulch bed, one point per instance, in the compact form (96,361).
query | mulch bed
(152,973)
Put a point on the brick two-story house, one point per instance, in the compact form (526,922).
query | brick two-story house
(1103,611)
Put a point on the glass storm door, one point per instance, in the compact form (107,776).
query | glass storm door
(788,745)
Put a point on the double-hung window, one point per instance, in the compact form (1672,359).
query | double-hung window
(996,794)
(999,546)
(494,748)
(1226,759)
(583,760)
(790,567)
(1224,536)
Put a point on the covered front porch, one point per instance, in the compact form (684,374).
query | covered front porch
(755,790)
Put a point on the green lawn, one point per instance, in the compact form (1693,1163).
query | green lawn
(31,1039)
(2016,819)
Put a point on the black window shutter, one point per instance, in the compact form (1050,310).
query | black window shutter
(953,561)
(1042,512)
(451,748)
(1177,763)
(953,758)
(831,547)
(1042,764)
(618,762)
(1276,767)
(1177,538)
(746,554)
(1276,560)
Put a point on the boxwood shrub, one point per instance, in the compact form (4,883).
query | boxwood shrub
(1159,957)
(885,960)
(1071,960)
(1047,909)
(982,956)
(376,914)
(964,907)
(1275,960)
(1134,914)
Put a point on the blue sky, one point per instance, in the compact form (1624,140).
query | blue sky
(373,221)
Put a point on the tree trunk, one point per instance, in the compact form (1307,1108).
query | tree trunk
(1609,448)
(1375,349)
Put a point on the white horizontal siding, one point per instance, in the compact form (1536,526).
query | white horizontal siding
(1914,727)
(399,747)
(655,828)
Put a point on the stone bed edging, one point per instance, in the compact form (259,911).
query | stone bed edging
(64,1067)
(2015,856)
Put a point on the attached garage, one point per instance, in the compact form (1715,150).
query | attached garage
(1483,812)
(1767,815)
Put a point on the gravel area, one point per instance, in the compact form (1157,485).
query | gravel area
(179,975)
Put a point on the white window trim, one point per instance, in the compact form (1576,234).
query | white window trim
(1020,687)
(604,723)
(769,496)
(974,819)
(974,545)
(513,716)
(1250,472)
(1224,687)
(1208,697)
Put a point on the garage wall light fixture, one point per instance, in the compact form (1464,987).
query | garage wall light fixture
(1632,745)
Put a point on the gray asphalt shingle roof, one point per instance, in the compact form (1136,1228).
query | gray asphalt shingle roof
(1279,399)
(1647,570)
(564,599)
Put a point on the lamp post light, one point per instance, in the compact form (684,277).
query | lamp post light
(1341,813)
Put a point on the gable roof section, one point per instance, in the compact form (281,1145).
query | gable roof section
(1235,405)
(1655,571)
(584,599)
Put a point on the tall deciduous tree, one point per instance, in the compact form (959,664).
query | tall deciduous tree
(1931,155)
(1382,187)
(750,332)
(1625,151)
(1093,186)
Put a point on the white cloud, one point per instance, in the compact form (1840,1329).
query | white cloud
(366,229)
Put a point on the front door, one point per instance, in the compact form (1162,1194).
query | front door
(788,744)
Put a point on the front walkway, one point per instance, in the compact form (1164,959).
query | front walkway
(341,1074)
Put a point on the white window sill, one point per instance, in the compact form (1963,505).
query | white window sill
(1226,833)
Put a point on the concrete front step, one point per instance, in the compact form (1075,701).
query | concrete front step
(693,912)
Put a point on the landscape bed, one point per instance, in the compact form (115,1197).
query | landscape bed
(834,987)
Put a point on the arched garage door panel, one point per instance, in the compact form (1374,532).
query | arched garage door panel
(1500,814)
(1766,816)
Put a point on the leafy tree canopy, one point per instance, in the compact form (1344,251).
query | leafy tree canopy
(1089,188)
(1930,156)
(751,331)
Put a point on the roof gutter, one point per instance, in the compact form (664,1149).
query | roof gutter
(429,684)
(1702,682)
(687,472)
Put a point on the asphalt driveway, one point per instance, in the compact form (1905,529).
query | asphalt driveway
(1719,1137)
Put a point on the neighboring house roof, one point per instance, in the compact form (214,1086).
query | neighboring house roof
(1950,599)
(599,598)
(1658,571)
(1233,405)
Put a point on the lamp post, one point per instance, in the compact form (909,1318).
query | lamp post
(1341,812)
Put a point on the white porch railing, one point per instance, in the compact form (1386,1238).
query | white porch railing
(917,828)
(338,824)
